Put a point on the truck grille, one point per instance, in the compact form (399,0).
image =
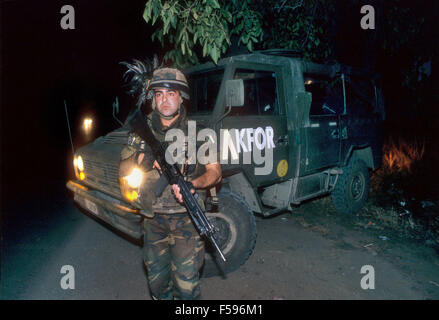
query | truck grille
(104,176)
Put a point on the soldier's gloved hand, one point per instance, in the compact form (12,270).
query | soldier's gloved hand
(176,190)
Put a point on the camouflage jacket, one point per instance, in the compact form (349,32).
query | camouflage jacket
(166,203)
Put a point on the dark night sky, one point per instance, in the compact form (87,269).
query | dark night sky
(42,65)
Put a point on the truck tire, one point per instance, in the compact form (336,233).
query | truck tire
(236,234)
(352,189)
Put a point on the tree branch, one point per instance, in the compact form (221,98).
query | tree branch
(282,6)
(310,25)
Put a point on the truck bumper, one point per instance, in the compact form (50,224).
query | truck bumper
(108,209)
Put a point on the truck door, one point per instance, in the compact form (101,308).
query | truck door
(260,125)
(323,134)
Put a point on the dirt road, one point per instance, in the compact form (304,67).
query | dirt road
(310,254)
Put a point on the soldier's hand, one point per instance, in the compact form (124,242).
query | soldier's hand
(157,166)
(176,190)
(140,158)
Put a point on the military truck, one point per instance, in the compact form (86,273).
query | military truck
(316,128)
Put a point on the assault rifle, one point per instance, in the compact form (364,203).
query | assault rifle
(138,125)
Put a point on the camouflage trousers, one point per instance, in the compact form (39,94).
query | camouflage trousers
(173,255)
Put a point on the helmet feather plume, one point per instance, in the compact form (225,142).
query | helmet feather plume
(137,78)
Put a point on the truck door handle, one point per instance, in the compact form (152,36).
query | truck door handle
(335,134)
(282,139)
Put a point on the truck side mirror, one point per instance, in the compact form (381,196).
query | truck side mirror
(235,93)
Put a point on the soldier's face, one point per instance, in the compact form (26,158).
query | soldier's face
(167,101)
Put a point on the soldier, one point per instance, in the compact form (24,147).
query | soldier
(173,249)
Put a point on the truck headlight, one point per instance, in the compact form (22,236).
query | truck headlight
(135,178)
(129,185)
(78,165)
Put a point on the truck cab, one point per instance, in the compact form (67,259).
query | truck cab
(320,117)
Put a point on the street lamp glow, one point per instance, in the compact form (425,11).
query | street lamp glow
(87,124)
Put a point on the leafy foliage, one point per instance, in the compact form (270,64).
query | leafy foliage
(190,25)
(193,31)
(304,27)
(197,29)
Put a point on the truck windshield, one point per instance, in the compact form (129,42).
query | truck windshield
(204,88)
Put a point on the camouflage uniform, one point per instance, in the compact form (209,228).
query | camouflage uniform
(173,248)
(173,255)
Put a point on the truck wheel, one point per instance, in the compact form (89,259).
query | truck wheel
(236,234)
(352,189)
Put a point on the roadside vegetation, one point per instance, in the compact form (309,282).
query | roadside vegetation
(404,191)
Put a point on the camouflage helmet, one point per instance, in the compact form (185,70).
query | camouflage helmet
(169,78)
